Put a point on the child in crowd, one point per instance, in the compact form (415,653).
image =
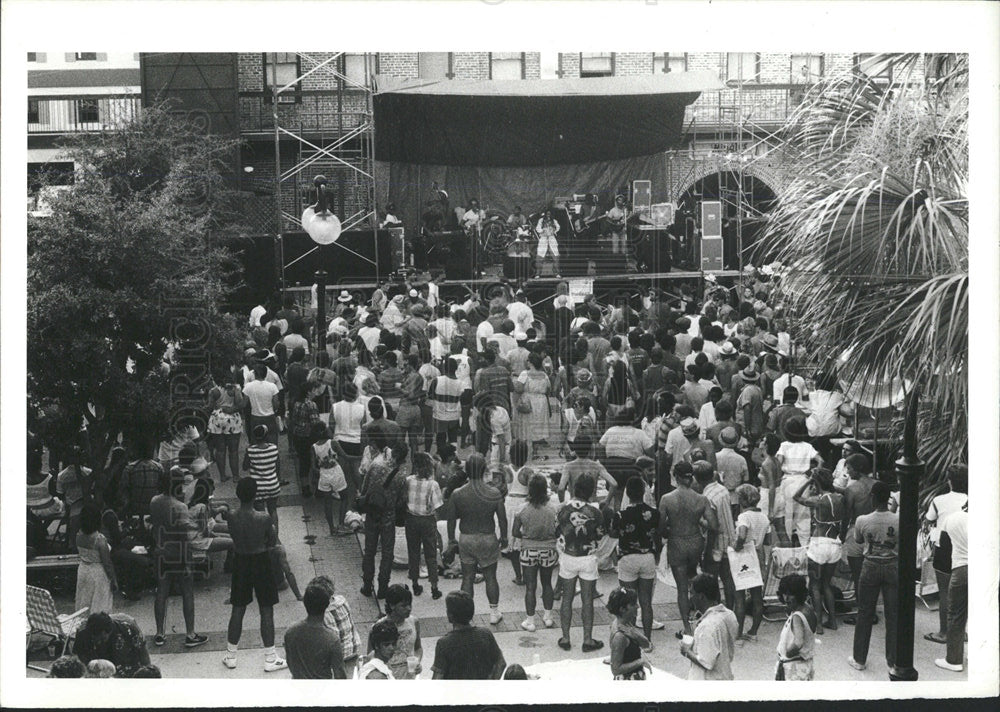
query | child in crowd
(399,609)
(329,477)
(752,526)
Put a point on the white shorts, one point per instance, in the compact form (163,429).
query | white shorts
(824,550)
(636,566)
(584,567)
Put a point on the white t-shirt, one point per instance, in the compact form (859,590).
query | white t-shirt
(293,340)
(483,331)
(824,420)
(432,295)
(521,314)
(798,457)
(957,526)
(943,506)
(625,441)
(706,418)
(271,377)
(779,386)
(260,394)
(371,335)
(255,314)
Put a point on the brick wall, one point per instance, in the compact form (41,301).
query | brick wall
(398,64)
(632,63)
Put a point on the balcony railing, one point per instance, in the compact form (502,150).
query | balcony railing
(312,110)
(767,105)
(72,114)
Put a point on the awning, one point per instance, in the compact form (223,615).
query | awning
(533,122)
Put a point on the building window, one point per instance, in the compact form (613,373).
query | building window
(597,64)
(550,65)
(34,116)
(874,66)
(32,56)
(806,68)
(87,111)
(434,65)
(506,65)
(86,56)
(283,68)
(743,66)
(353,67)
(665,62)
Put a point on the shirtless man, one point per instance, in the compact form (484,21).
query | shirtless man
(682,513)
(478,505)
(582,447)
(253,533)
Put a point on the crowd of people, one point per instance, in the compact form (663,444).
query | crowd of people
(693,449)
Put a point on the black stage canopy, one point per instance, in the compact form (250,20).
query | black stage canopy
(533,122)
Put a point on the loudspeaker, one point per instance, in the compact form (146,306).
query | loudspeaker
(662,215)
(397,240)
(642,196)
(711,219)
(711,253)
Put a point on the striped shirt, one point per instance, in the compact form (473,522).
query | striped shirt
(389,382)
(263,461)
(445,395)
(423,496)
(338,619)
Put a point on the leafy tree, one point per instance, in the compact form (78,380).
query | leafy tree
(874,234)
(127,274)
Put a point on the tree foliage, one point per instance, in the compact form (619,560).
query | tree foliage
(874,234)
(132,260)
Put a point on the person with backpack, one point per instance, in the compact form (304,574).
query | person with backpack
(381,490)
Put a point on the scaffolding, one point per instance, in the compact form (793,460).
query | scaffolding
(336,138)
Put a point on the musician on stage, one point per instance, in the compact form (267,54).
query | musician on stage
(390,219)
(517,219)
(473,217)
(617,218)
(547,229)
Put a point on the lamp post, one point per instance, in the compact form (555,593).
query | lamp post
(910,470)
(320,278)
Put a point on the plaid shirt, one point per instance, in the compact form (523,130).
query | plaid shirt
(140,483)
(338,619)
(423,496)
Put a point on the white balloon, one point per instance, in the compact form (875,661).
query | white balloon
(323,227)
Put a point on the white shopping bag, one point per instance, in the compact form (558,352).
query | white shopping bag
(663,571)
(745,567)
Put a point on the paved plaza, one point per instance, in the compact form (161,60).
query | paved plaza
(311,551)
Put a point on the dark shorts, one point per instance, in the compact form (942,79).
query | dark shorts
(685,553)
(253,574)
(171,560)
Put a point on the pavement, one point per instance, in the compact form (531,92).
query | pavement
(312,551)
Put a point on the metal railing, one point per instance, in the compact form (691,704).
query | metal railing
(328,111)
(761,104)
(73,114)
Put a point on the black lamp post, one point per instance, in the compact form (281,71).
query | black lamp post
(320,278)
(910,470)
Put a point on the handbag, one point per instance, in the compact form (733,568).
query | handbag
(745,567)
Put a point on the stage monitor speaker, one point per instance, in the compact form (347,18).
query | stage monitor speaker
(661,215)
(711,219)
(397,240)
(711,254)
(642,196)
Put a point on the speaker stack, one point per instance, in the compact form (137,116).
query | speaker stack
(711,236)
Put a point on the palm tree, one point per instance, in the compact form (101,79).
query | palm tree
(873,237)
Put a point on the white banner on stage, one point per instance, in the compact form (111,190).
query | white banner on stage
(580,288)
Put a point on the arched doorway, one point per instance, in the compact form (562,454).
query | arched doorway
(745,199)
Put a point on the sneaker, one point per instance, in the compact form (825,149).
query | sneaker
(193,641)
(549,623)
(159,640)
(658,625)
(607,660)
(528,625)
(945,665)
(495,616)
(230,662)
(275,665)
(855,664)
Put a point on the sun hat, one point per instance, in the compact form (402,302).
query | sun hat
(584,377)
(344,297)
(520,336)
(796,427)
(689,426)
(727,349)
(729,436)
(414,293)
(749,374)
(770,341)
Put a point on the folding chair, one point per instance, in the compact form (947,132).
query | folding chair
(44,619)
(783,562)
